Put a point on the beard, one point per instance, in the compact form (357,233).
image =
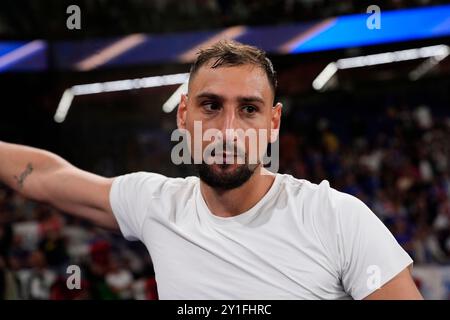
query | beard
(223,176)
(229,173)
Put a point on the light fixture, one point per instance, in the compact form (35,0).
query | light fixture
(438,52)
(112,86)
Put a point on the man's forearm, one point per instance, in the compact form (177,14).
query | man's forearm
(23,167)
(43,176)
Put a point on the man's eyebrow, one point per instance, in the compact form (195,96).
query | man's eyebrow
(241,99)
(248,99)
(209,95)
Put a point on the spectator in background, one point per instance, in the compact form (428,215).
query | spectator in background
(37,281)
(54,248)
(120,280)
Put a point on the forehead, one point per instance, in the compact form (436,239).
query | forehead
(230,81)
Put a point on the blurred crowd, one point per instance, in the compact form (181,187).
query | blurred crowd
(200,14)
(398,163)
(31,19)
(39,247)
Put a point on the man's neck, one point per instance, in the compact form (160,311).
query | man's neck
(229,203)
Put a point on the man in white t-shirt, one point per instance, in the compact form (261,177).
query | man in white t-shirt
(237,231)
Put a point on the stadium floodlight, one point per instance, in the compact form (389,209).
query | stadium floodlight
(112,86)
(174,99)
(427,66)
(437,53)
(325,76)
(63,106)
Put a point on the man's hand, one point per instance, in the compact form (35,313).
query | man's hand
(43,176)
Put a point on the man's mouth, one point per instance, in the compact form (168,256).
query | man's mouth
(226,157)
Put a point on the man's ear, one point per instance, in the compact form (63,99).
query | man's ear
(275,122)
(181,112)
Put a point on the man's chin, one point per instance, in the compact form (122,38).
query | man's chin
(224,176)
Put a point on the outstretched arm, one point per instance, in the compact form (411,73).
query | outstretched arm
(401,287)
(43,176)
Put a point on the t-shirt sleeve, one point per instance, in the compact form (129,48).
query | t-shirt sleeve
(131,200)
(370,255)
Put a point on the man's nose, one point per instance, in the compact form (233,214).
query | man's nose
(229,122)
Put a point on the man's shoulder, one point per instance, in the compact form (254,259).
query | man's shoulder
(153,176)
(319,199)
(144,181)
(306,189)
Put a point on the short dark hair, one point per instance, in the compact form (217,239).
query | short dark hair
(232,53)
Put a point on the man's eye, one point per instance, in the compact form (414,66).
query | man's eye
(249,109)
(210,106)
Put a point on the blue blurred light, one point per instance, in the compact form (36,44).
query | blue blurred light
(402,25)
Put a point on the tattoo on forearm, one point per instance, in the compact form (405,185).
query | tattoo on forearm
(21,178)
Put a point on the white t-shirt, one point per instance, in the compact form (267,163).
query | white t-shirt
(300,241)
